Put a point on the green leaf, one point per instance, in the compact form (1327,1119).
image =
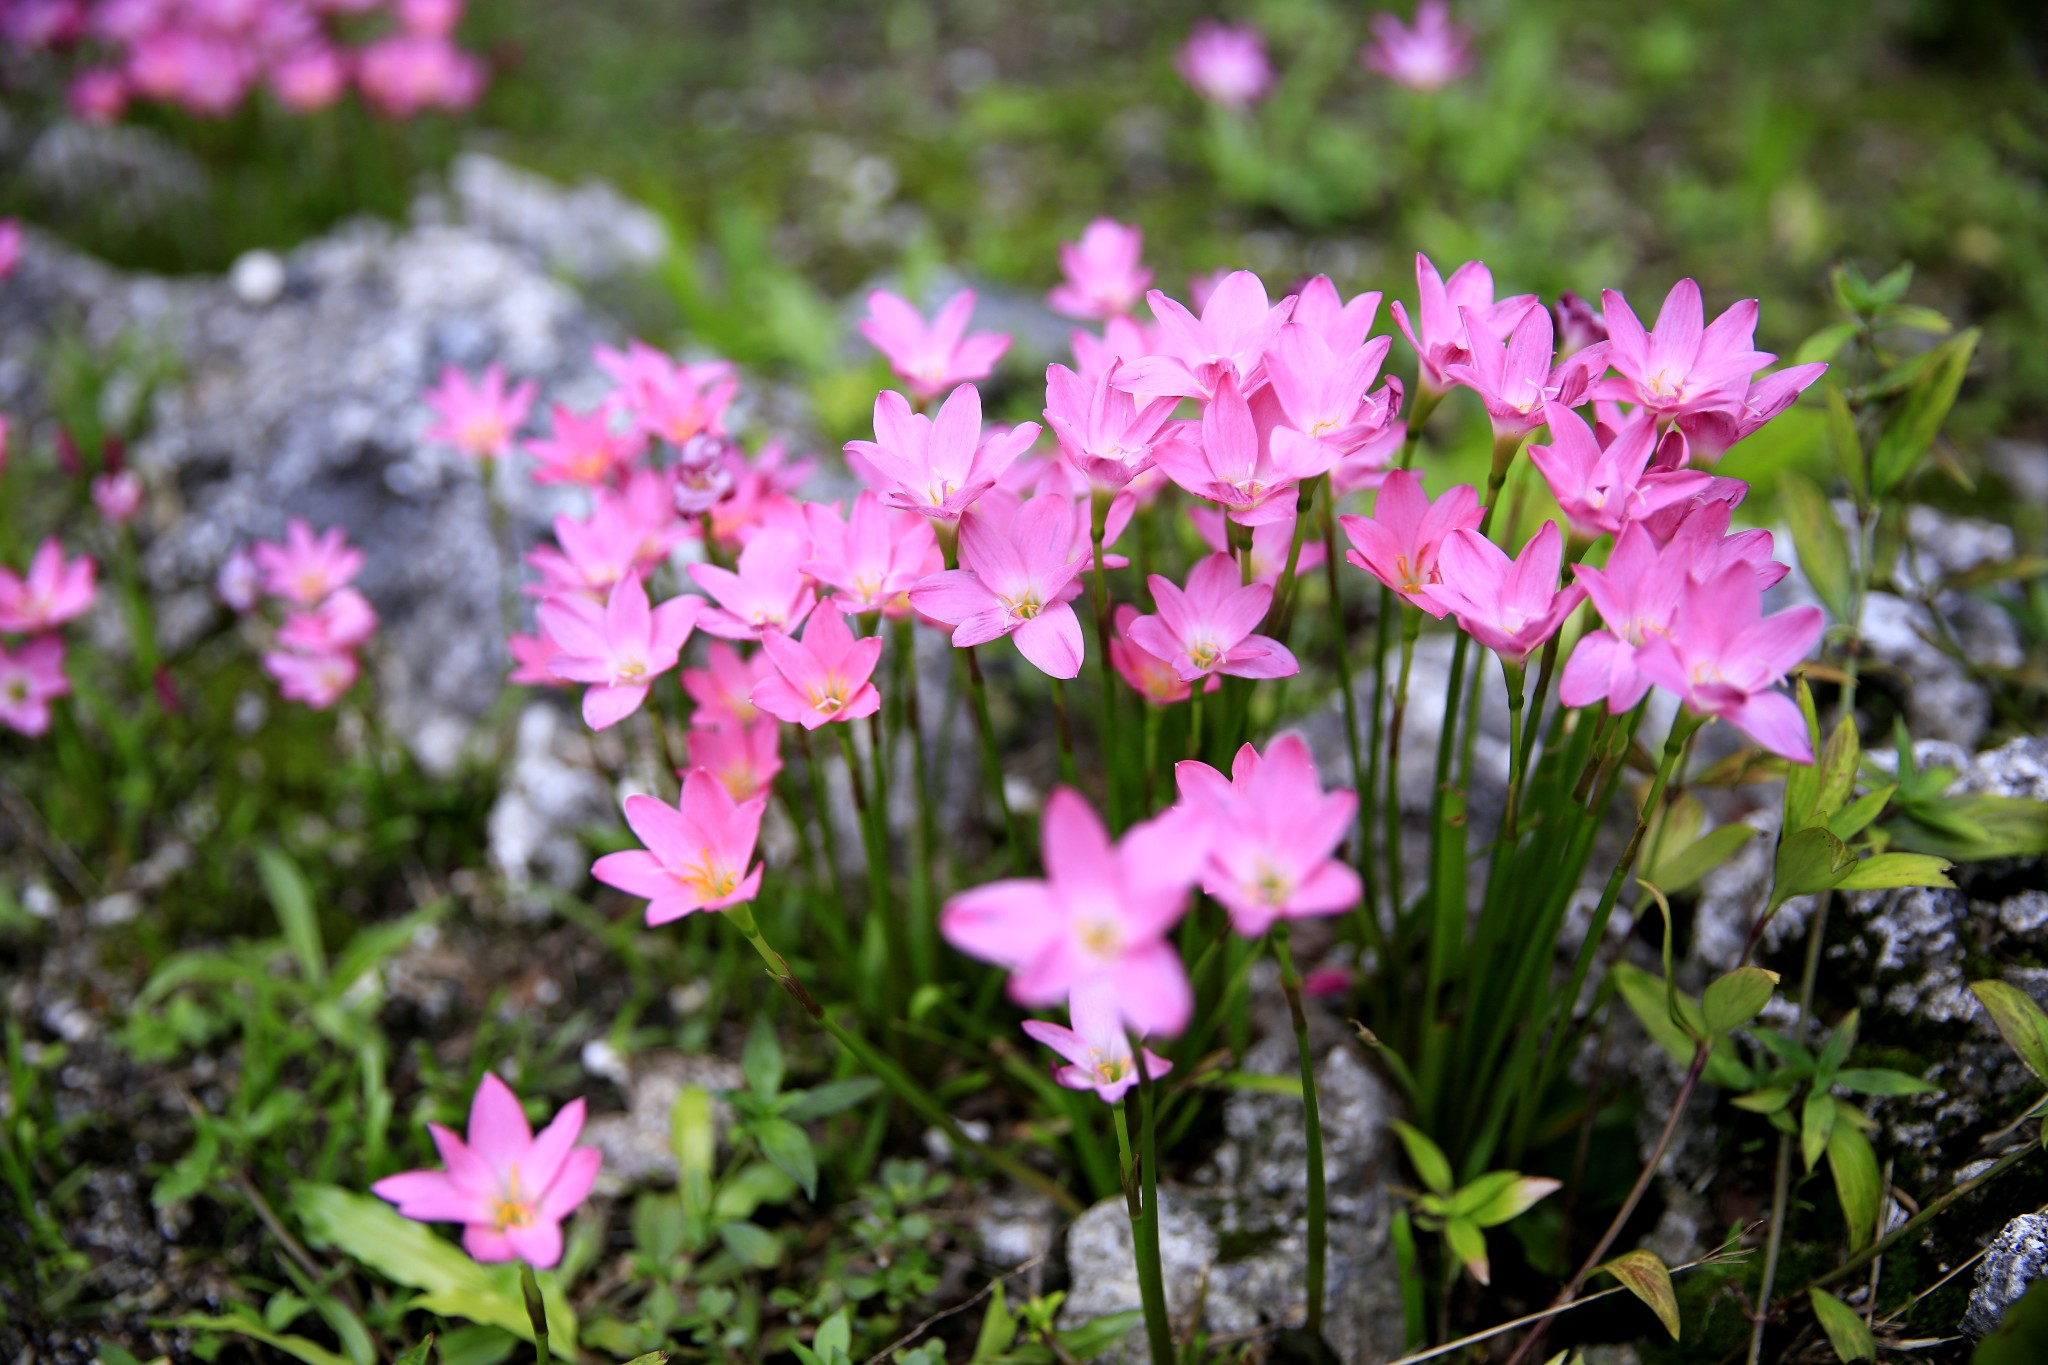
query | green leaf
(1816,1125)
(1918,420)
(1646,1277)
(753,1244)
(192,1172)
(2019,1020)
(1823,549)
(1844,443)
(1857,816)
(420,1354)
(1431,1166)
(1468,1244)
(1845,1330)
(1809,861)
(1733,1000)
(1836,1049)
(1678,871)
(789,1147)
(1885,870)
(293,901)
(252,1327)
(2022,1335)
(1769,1100)
(1857,1183)
(1097,1335)
(694,1141)
(1876,1081)
(1521,1194)
(1645,996)
(998,1328)
(1825,344)
(761,1060)
(833,1097)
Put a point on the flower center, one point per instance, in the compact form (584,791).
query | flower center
(1101,938)
(1204,654)
(831,699)
(1271,887)
(1026,606)
(707,878)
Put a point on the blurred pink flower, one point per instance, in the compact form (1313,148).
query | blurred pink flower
(239,584)
(1509,606)
(1208,628)
(31,677)
(1429,56)
(302,569)
(310,79)
(1097,1049)
(530,655)
(822,678)
(937,466)
(581,448)
(478,416)
(10,245)
(770,591)
(118,495)
(931,357)
(745,757)
(317,680)
(1225,64)
(1438,330)
(1272,836)
(407,73)
(696,852)
(342,622)
(435,18)
(1105,276)
(1019,565)
(618,649)
(723,689)
(669,400)
(54,590)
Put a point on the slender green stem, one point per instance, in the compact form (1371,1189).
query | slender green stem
(1517,682)
(1318,1235)
(1195,720)
(1151,1278)
(1151,1283)
(536,1313)
(875,844)
(1065,729)
(1368,909)
(821,811)
(1098,592)
(922,923)
(1411,626)
(991,759)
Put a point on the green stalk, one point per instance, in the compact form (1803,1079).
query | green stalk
(1065,729)
(992,760)
(536,1313)
(1368,912)
(1158,1325)
(1195,719)
(1098,592)
(1318,1235)
(1411,626)
(828,837)
(1517,679)
(1144,1232)
(875,844)
(922,948)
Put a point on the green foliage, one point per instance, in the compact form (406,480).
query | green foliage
(1844,1328)
(1461,1213)
(1647,1277)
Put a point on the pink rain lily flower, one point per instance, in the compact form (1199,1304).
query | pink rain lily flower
(1229,340)
(409,72)
(824,677)
(315,680)
(934,357)
(310,79)
(1515,377)
(670,401)
(239,584)
(1122,339)
(1681,366)
(1710,434)
(31,677)
(1398,544)
(1105,275)
(1103,431)
(530,656)
(1725,658)
(1097,1049)
(629,531)
(1231,462)
(618,649)
(1427,57)
(1225,64)
(581,448)
(1019,565)
(1207,629)
(695,853)
(1326,407)
(508,1188)
(1103,912)
(769,592)
(11,236)
(305,570)
(1342,326)
(873,557)
(1637,595)
(1150,676)
(344,621)
(478,416)
(937,466)
(1272,542)
(54,590)
(118,496)
(723,688)
(745,757)
(1438,330)
(1510,606)
(1601,487)
(1273,834)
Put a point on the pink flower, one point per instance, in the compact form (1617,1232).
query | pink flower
(723,690)
(581,448)
(931,358)
(1228,340)
(1121,339)
(1232,463)
(744,757)
(1427,57)
(10,245)
(117,495)
(1272,834)
(406,73)
(1510,606)
(1102,913)
(1105,276)
(478,416)
(937,467)
(696,852)
(669,401)
(1440,318)
(1367,467)
(769,592)
(1326,982)
(1601,487)
(310,79)
(239,584)
(508,1188)
(31,677)
(825,677)
(619,649)
(436,18)
(1578,325)
(1325,405)
(54,591)
(1515,378)
(1150,676)
(1398,544)
(1724,657)
(1225,64)
(1018,569)
(1677,367)
(1097,1049)
(628,532)
(342,622)
(1272,542)
(530,656)
(1102,430)
(317,680)
(304,570)
(1341,325)
(1637,595)
(98,96)
(1208,629)
(873,557)
(1711,434)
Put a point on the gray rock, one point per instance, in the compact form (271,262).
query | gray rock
(2014,1260)
(550,790)
(124,173)
(589,232)
(1942,700)
(636,1144)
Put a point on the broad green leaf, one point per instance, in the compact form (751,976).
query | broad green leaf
(833,1097)
(1468,1244)
(1802,780)
(1918,420)
(1823,549)
(1845,1330)
(1975,828)
(753,1244)
(761,1060)
(1646,1277)
(1882,871)
(1678,871)
(1733,1000)
(1431,1166)
(1876,1081)
(252,1327)
(1846,445)
(2019,1020)
(757,1183)
(1857,1183)
(1836,1049)
(1809,861)
(1816,1125)
(1518,1197)
(1478,1193)
(1839,759)
(1856,817)
(789,1147)
(998,1328)
(293,901)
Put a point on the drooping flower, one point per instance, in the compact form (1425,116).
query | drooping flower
(1097,1049)
(1602,487)
(581,447)
(1723,657)
(508,1188)
(118,495)
(1105,272)
(1150,676)
(31,677)
(478,416)
(1681,366)
(1272,542)
(1438,330)
(1429,56)
(822,678)
(769,591)
(936,356)
(1272,834)
(54,590)
(1228,341)
(1711,434)
(873,557)
(1519,375)
(1208,628)
(695,853)
(304,569)
(1103,431)
(1102,912)
(723,688)
(745,757)
(937,466)
(342,622)
(316,680)
(1225,64)
(1510,606)
(1019,564)
(618,649)
(1399,542)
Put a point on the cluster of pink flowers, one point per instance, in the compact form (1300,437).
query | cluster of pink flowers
(324,620)
(208,56)
(33,606)
(1227,65)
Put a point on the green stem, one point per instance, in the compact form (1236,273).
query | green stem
(1368,909)
(1517,681)
(1151,1283)
(1098,592)
(1151,1279)
(1195,719)
(875,845)
(1318,1236)
(536,1313)
(992,760)
(1390,806)
(922,924)
(821,811)
(1065,729)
